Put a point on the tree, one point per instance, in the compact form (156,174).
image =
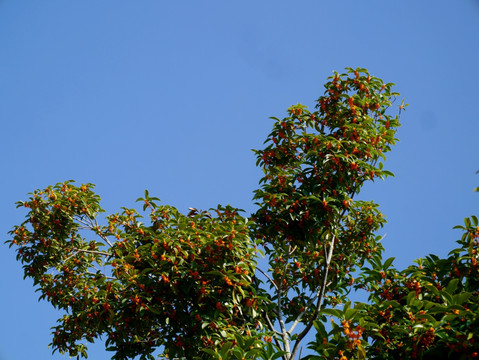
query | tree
(427,311)
(190,285)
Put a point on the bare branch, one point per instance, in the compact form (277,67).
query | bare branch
(104,253)
(91,225)
(324,284)
(103,236)
(284,333)
(72,255)
(268,277)
(271,325)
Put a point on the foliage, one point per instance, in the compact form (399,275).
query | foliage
(190,285)
(428,311)
(179,282)
(314,164)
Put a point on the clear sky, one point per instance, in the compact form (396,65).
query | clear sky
(171,96)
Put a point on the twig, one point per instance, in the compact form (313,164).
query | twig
(268,277)
(320,298)
(104,253)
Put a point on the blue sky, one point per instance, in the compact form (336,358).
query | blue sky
(171,96)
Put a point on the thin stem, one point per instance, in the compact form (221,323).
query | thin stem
(268,320)
(91,225)
(320,298)
(271,327)
(268,277)
(104,253)
(284,333)
(101,235)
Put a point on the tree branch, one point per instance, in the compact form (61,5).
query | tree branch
(268,277)
(104,253)
(320,298)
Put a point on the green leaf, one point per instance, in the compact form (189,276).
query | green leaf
(214,354)
(388,263)
(427,317)
(474,220)
(225,348)
(388,173)
(452,286)
(411,297)
(319,326)
(361,352)
(437,309)
(332,312)
(277,355)
(350,314)
(432,289)
(467,222)
(461,298)
(446,296)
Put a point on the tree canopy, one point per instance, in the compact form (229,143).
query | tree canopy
(194,285)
